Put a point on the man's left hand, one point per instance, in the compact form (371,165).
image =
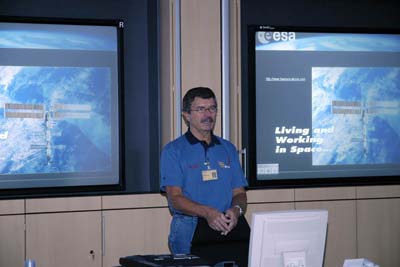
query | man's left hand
(232,215)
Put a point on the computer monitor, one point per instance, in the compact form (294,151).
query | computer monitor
(288,238)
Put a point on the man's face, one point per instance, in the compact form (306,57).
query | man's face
(202,115)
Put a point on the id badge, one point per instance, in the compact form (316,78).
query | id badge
(209,175)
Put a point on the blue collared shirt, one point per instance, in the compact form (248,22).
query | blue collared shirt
(183,161)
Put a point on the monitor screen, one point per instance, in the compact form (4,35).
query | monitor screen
(60,100)
(324,105)
(288,238)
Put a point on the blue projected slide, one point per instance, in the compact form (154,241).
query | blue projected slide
(59,113)
(327,104)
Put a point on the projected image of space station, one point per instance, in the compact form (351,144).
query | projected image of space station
(54,119)
(361,106)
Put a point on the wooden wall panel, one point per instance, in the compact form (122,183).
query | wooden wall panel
(270,195)
(63,204)
(12,240)
(383,191)
(201,48)
(235,92)
(64,239)
(378,231)
(325,193)
(134,201)
(8,207)
(134,232)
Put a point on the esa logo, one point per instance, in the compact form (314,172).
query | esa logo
(267,37)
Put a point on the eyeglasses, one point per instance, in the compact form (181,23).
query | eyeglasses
(212,109)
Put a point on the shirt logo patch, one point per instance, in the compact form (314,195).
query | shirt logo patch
(194,166)
(223,165)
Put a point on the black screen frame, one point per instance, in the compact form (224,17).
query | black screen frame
(82,190)
(250,133)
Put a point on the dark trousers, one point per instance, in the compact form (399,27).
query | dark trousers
(213,247)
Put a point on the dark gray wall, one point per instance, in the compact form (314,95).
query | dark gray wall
(332,13)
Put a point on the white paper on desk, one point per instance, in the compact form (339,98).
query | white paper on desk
(359,263)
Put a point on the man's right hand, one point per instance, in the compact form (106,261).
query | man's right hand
(217,221)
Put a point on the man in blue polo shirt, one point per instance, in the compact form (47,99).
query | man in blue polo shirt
(201,174)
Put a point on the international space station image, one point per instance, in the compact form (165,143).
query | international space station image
(362,104)
(48,117)
(364,111)
(55,119)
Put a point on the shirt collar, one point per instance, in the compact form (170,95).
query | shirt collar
(193,140)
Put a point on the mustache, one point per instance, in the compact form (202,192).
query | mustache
(208,119)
